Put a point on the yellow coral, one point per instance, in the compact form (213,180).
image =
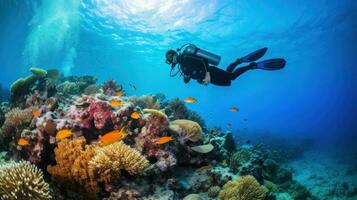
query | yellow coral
(243,188)
(22,180)
(187,130)
(110,159)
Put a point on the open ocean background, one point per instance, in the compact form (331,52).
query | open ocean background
(314,97)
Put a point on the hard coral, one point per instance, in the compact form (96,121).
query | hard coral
(243,188)
(22,181)
(186,130)
(109,160)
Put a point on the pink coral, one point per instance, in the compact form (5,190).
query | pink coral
(97,113)
(111,87)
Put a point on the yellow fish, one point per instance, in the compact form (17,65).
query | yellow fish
(190,100)
(115,103)
(234,109)
(22,142)
(135,115)
(119,93)
(64,133)
(112,136)
(36,112)
(164,140)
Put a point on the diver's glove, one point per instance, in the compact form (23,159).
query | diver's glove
(207,79)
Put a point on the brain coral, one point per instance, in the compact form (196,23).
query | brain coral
(22,181)
(187,130)
(243,188)
(110,159)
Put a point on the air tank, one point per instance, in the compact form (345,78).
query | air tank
(211,58)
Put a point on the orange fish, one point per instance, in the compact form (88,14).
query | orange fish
(119,93)
(22,142)
(164,140)
(113,136)
(115,103)
(64,133)
(234,109)
(36,112)
(135,115)
(190,100)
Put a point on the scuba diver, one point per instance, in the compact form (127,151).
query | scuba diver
(198,64)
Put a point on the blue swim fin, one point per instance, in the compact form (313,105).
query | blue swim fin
(254,55)
(271,64)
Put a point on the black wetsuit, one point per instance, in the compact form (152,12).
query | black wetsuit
(194,67)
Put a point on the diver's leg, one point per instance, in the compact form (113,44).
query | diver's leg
(233,65)
(241,70)
(219,76)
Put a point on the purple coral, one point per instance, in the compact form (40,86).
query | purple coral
(111,87)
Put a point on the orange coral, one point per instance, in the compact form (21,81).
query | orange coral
(88,165)
(72,158)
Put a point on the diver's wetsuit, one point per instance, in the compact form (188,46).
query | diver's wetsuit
(196,67)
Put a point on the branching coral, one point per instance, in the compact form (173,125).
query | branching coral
(22,181)
(110,159)
(243,188)
(187,130)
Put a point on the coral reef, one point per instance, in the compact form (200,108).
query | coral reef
(22,181)
(196,159)
(243,188)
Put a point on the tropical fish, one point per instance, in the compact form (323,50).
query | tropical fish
(135,115)
(119,93)
(64,133)
(229,125)
(36,112)
(115,103)
(234,109)
(113,136)
(245,119)
(132,86)
(23,142)
(164,140)
(190,100)
(245,128)
(248,141)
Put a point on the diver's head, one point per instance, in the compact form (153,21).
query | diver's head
(171,57)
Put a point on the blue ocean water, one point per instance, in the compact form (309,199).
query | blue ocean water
(314,96)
